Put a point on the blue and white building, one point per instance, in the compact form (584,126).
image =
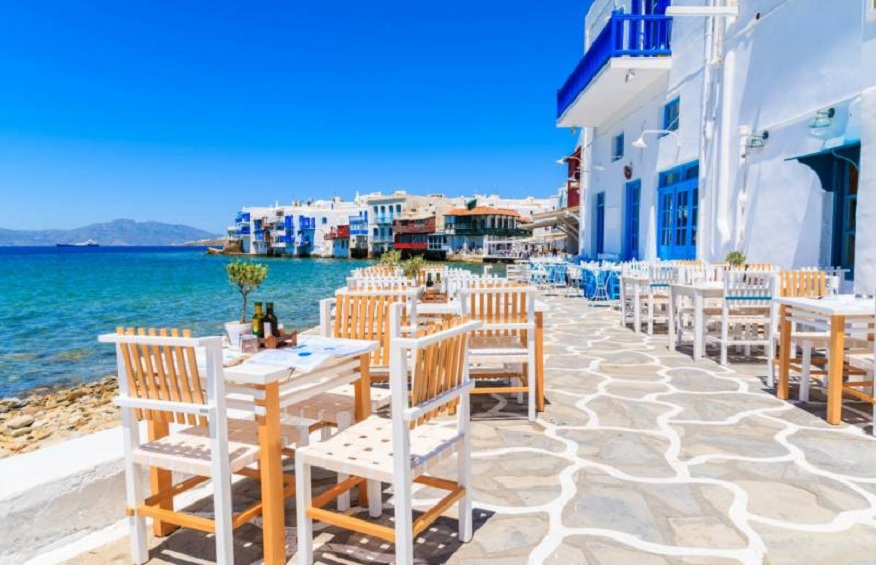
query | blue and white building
(713,125)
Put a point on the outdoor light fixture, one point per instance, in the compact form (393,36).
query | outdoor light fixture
(756,141)
(823,119)
(631,76)
(640,143)
(599,167)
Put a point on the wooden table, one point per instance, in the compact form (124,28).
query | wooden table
(454,308)
(698,293)
(834,312)
(277,387)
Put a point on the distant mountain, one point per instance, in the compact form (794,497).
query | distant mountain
(117,232)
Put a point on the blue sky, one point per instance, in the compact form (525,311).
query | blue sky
(185,111)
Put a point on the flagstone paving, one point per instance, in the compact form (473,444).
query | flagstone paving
(642,456)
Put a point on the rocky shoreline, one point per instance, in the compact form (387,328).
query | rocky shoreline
(46,417)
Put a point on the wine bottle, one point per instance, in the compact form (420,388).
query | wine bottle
(258,320)
(271,318)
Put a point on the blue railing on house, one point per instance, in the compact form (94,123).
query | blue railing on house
(624,35)
(358,226)
(242,217)
(384,218)
(307,223)
(244,230)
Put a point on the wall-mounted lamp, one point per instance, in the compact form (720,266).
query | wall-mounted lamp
(599,167)
(640,143)
(630,76)
(757,140)
(823,118)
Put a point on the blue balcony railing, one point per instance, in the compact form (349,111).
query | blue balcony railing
(624,35)
(307,223)
(384,218)
(244,230)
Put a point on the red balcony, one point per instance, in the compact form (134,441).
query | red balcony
(340,232)
(417,245)
(422,225)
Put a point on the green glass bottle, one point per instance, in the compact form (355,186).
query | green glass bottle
(271,318)
(258,321)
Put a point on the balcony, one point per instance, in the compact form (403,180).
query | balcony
(425,226)
(629,56)
(384,218)
(418,245)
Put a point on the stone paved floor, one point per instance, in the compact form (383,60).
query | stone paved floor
(642,456)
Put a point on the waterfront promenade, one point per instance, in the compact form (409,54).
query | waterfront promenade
(642,456)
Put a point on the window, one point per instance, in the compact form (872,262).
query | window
(398,208)
(324,220)
(375,232)
(375,210)
(617,151)
(671,114)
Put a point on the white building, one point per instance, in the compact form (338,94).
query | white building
(296,230)
(771,105)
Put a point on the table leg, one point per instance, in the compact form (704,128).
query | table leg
(784,352)
(271,469)
(363,408)
(637,310)
(699,348)
(161,480)
(672,309)
(539,361)
(835,370)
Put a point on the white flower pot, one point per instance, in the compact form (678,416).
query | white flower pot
(234,331)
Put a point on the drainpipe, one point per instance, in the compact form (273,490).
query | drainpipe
(707,187)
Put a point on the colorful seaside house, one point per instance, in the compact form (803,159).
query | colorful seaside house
(705,129)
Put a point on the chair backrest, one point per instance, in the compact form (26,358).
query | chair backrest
(366,315)
(803,283)
(761,267)
(662,275)
(509,309)
(749,289)
(159,375)
(359,283)
(437,362)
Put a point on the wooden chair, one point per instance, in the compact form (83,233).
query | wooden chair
(746,313)
(507,338)
(159,383)
(402,450)
(809,284)
(657,297)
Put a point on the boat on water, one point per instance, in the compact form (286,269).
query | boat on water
(88,243)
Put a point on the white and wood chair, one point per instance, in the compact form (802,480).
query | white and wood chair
(746,313)
(189,434)
(400,451)
(506,339)
(661,276)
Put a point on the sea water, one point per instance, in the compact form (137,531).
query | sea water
(54,302)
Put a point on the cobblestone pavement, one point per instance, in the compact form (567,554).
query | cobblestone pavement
(642,456)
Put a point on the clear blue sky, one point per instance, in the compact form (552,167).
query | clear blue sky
(184,111)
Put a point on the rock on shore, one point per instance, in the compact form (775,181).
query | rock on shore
(28,423)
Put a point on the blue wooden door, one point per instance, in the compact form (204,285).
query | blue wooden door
(600,223)
(631,219)
(678,213)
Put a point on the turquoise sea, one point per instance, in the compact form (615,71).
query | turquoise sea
(55,301)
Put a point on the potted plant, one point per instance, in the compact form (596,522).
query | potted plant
(735,258)
(246,276)
(412,266)
(391,258)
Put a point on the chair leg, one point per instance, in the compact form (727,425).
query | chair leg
(404,520)
(223,514)
(305,524)
(725,338)
(136,524)
(804,376)
(651,316)
(344,421)
(463,462)
(375,499)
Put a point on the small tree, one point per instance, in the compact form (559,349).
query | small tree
(413,266)
(246,276)
(391,258)
(735,258)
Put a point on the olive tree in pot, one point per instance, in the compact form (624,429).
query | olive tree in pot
(245,276)
(735,258)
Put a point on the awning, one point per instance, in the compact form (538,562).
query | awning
(822,161)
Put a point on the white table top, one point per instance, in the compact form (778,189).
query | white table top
(702,287)
(251,372)
(839,305)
